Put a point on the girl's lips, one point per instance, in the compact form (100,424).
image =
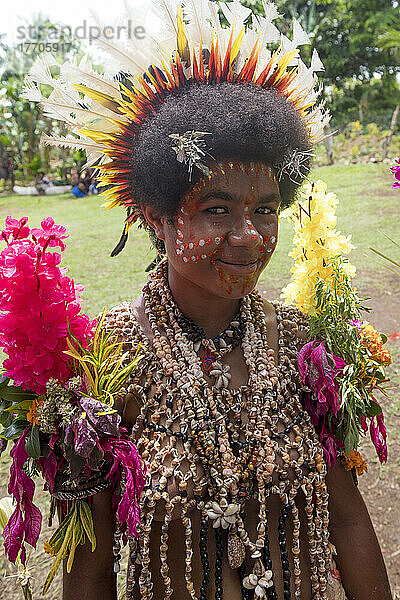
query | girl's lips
(244,269)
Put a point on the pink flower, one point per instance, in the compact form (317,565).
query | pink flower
(124,455)
(377,430)
(50,234)
(319,370)
(356,323)
(15,228)
(18,260)
(38,303)
(396,172)
(330,445)
(364,424)
(26,521)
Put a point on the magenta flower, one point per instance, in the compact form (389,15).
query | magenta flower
(319,370)
(38,303)
(15,228)
(364,424)
(396,172)
(356,323)
(50,234)
(26,521)
(377,430)
(331,445)
(124,455)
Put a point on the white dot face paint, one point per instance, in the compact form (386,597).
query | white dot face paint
(209,239)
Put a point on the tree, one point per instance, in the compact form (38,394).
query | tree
(22,120)
(356,40)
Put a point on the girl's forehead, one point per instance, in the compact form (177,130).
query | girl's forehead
(236,180)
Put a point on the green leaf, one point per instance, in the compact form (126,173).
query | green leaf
(373,410)
(22,406)
(14,430)
(86,519)
(63,551)
(16,394)
(3,382)
(5,419)
(32,444)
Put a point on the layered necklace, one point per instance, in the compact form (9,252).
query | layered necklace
(214,349)
(240,460)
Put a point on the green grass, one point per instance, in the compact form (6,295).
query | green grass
(368,206)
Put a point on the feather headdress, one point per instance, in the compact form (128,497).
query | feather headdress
(105,113)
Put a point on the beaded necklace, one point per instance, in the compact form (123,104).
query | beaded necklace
(214,349)
(239,460)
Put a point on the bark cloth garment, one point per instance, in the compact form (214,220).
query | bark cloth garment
(159,419)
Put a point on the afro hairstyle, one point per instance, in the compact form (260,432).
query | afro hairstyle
(247,123)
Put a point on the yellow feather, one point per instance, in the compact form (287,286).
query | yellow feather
(284,61)
(97,136)
(182,42)
(236,45)
(100,97)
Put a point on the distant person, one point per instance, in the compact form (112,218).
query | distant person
(93,187)
(42,182)
(74,179)
(79,189)
(87,178)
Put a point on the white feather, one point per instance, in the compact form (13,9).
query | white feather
(132,59)
(143,15)
(71,113)
(71,142)
(84,73)
(40,72)
(214,17)
(316,62)
(31,91)
(93,157)
(300,37)
(286,47)
(198,28)
(166,10)
(269,33)
(271,11)
(235,12)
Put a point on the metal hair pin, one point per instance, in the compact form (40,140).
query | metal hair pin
(294,165)
(190,148)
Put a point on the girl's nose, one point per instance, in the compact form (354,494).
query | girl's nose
(244,233)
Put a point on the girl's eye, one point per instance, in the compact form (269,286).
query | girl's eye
(265,210)
(217,210)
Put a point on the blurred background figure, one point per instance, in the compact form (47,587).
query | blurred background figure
(42,182)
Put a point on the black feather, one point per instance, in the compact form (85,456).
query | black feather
(121,244)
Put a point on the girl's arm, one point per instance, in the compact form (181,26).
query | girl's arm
(92,576)
(359,558)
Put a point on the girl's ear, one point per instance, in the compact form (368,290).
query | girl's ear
(155,220)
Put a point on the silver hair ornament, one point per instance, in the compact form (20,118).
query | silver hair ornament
(190,148)
(294,165)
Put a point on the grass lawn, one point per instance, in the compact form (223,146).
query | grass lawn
(368,206)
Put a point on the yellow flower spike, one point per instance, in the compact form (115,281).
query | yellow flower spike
(315,241)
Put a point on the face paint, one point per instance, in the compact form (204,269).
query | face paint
(226,241)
